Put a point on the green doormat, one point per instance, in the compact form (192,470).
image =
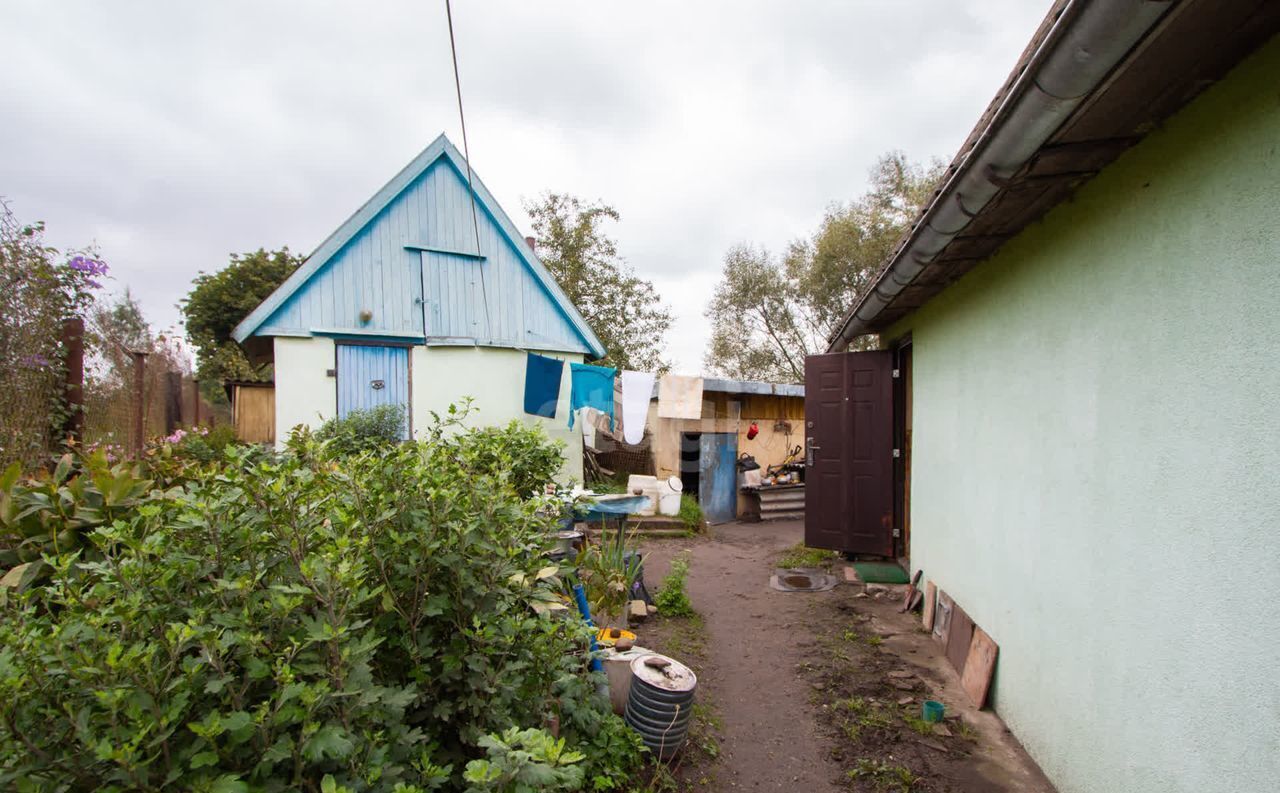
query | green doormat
(880,573)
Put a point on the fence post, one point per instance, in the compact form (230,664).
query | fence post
(195,401)
(139,402)
(73,393)
(172,402)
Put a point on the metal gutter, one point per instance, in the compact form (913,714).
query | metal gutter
(1087,41)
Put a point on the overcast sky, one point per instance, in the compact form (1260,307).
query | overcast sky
(173,133)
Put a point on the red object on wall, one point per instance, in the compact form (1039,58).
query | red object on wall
(753,431)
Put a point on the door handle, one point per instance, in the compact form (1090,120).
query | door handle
(809,449)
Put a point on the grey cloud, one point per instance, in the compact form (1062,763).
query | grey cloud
(175,133)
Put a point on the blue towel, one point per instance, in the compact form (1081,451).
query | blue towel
(592,388)
(542,385)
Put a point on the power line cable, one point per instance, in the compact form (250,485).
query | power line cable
(466,154)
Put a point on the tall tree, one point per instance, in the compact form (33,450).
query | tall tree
(219,301)
(768,313)
(624,310)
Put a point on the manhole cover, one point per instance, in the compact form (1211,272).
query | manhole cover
(802,580)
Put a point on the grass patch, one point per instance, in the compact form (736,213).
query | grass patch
(687,637)
(671,598)
(918,724)
(800,555)
(885,776)
(852,636)
(690,513)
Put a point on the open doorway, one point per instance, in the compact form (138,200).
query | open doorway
(690,462)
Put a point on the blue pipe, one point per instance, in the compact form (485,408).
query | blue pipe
(580,595)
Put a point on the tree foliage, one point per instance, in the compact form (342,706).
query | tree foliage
(294,622)
(768,312)
(219,301)
(40,288)
(624,310)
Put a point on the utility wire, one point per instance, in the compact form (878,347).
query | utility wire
(466,154)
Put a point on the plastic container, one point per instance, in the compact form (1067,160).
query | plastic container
(648,486)
(932,711)
(669,492)
(617,667)
(607,637)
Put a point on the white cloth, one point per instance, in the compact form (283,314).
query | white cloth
(587,417)
(637,390)
(680,397)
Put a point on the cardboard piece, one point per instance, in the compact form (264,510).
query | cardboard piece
(930,604)
(979,668)
(958,638)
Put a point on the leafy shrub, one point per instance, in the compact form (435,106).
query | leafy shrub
(691,513)
(523,455)
(52,513)
(291,623)
(608,575)
(524,760)
(364,429)
(203,444)
(671,599)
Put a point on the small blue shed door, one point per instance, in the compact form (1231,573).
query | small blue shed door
(718,476)
(369,376)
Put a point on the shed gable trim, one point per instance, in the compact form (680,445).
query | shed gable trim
(254,323)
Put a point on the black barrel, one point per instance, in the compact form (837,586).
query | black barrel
(660,705)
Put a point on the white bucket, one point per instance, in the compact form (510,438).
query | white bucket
(669,496)
(617,667)
(647,485)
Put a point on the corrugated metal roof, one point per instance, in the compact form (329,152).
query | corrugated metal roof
(722,386)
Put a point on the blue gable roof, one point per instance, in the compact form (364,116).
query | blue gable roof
(405,266)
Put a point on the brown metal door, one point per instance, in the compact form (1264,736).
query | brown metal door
(826,492)
(849,444)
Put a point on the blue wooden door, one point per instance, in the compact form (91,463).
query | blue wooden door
(718,476)
(369,376)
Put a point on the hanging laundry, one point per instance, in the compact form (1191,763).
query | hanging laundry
(680,397)
(542,385)
(589,424)
(591,386)
(637,391)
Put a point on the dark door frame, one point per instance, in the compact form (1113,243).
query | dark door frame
(902,350)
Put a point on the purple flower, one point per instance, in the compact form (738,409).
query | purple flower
(84,264)
(36,361)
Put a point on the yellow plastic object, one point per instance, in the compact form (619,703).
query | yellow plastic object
(607,637)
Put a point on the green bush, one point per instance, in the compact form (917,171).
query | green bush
(364,429)
(205,445)
(671,598)
(691,513)
(53,513)
(294,622)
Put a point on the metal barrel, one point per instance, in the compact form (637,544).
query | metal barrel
(660,704)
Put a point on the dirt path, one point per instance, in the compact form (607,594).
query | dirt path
(787,675)
(769,739)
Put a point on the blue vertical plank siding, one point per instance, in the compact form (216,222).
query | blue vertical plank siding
(362,367)
(414,268)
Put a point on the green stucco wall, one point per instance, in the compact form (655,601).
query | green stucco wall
(1096,458)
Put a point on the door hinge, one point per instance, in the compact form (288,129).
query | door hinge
(897,453)
(897,373)
(897,532)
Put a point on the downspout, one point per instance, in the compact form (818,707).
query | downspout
(1085,44)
